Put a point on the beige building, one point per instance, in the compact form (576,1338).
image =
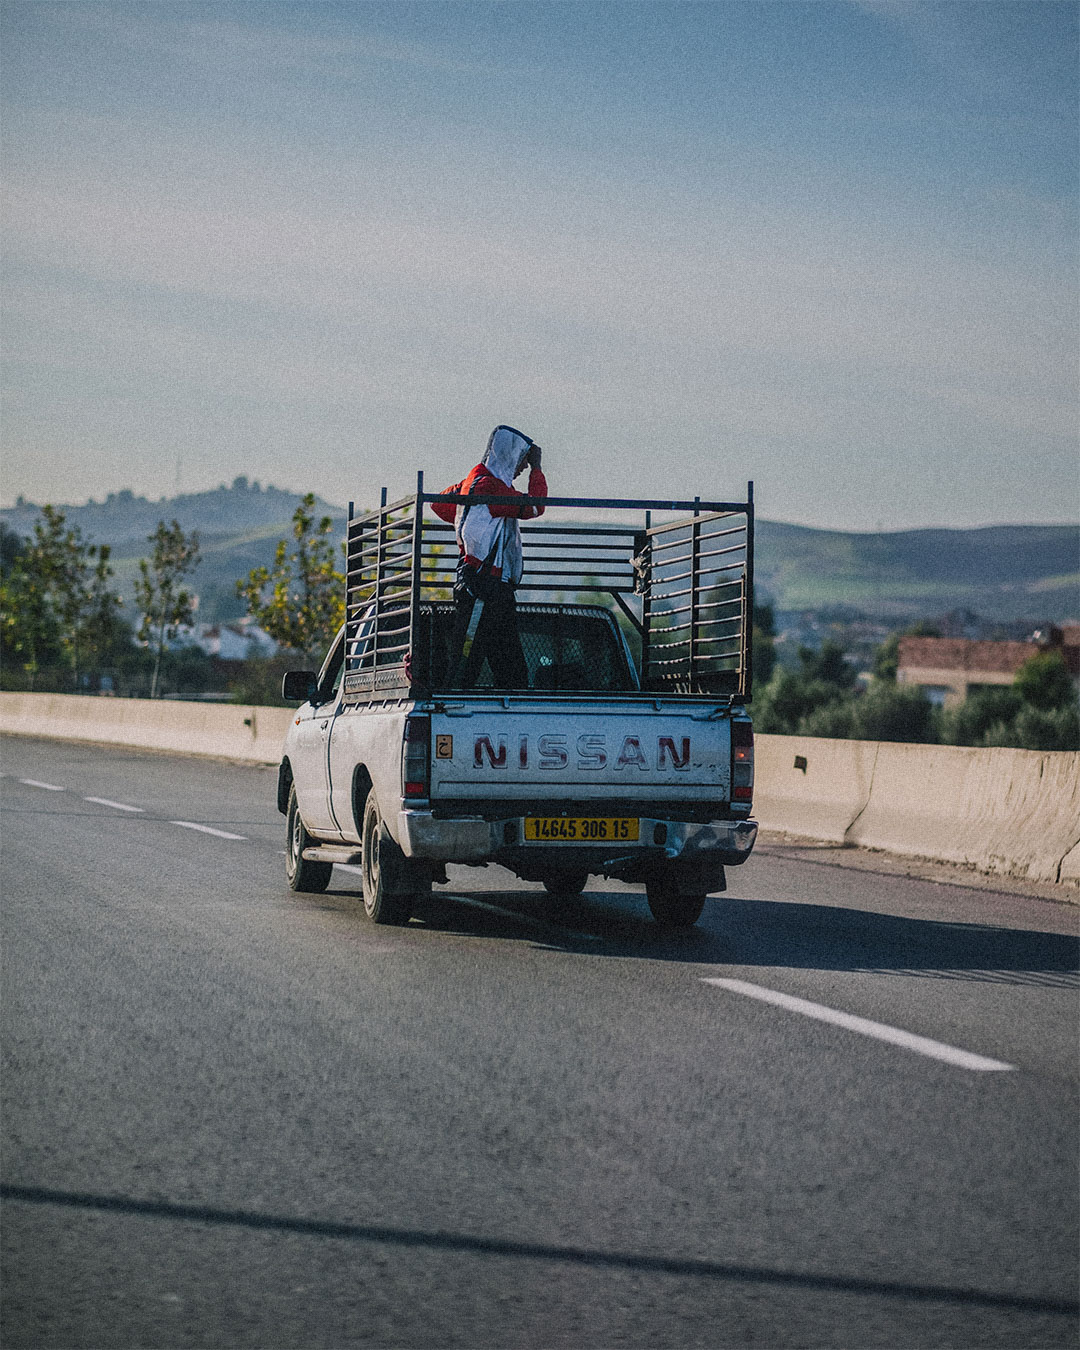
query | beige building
(948,669)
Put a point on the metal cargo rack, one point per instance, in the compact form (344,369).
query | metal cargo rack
(682,585)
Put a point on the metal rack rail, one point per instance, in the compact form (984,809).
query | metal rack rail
(684,586)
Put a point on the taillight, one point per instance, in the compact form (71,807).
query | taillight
(416,758)
(742,761)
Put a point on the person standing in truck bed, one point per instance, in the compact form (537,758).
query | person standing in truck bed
(490,559)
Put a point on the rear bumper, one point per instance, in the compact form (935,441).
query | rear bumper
(471,839)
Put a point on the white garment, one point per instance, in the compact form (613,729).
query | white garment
(478,531)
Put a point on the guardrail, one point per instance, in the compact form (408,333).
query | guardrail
(1008,812)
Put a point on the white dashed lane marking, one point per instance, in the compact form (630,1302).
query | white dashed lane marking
(207,829)
(880,1031)
(139,810)
(117,806)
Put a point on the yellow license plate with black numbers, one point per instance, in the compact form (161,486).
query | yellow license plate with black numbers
(581,829)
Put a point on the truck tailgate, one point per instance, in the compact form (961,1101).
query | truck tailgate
(632,749)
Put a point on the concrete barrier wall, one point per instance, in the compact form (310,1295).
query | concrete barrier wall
(1012,812)
(225,730)
(810,785)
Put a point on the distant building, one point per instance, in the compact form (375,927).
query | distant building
(234,641)
(948,669)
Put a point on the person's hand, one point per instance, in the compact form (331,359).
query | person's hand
(533,457)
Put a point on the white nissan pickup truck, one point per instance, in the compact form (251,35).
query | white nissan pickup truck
(629,754)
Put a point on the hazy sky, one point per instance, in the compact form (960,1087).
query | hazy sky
(830,247)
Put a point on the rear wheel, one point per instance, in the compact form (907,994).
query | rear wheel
(301,873)
(566,883)
(669,908)
(391,882)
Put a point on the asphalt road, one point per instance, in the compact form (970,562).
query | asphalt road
(235,1116)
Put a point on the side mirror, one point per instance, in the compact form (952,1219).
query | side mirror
(299,686)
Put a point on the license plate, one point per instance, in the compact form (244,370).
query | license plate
(580,829)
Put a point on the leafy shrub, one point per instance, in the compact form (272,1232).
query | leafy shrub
(763,650)
(835,720)
(1043,681)
(970,722)
(827,665)
(788,699)
(889,712)
(1037,712)
(1038,729)
(257,681)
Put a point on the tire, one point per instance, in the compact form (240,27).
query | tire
(391,883)
(669,908)
(566,883)
(301,873)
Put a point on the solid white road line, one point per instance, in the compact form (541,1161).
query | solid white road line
(118,806)
(880,1031)
(207,829)
(49,787)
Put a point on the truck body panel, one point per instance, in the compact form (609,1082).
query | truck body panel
(634,750)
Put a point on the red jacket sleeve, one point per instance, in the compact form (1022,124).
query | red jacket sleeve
(537,488)
(447,510)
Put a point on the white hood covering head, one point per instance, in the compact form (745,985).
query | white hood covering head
(483,535)
(506,449)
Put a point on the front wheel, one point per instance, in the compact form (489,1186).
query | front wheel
(669,908)
(391,882)
(301,873)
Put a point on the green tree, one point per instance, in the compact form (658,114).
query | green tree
(827,665)
(763,648)
(105,635)
(56,596)
(789,700)
(12,546)
(1045,729)
(29,631)
(835,720)
(64,561)
(1044,681)
(890,712)
(165,603)
(970,722)
(300,600)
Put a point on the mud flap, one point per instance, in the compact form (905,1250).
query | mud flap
(701,877)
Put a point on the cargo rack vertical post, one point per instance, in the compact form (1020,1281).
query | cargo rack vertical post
(694,638)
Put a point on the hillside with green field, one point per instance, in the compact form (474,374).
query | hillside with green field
(1001,572)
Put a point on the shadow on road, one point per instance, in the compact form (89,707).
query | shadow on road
(759,933)
(534,1251)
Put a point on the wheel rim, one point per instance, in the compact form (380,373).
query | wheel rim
(371,856)
(295,838)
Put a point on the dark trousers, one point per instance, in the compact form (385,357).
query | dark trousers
(496,635)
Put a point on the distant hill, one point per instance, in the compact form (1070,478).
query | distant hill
(1001,572)
(123,520)
(238,526)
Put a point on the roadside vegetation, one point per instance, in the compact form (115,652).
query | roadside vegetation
(63,629)
(823,696)
(166,604)
(300,600)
